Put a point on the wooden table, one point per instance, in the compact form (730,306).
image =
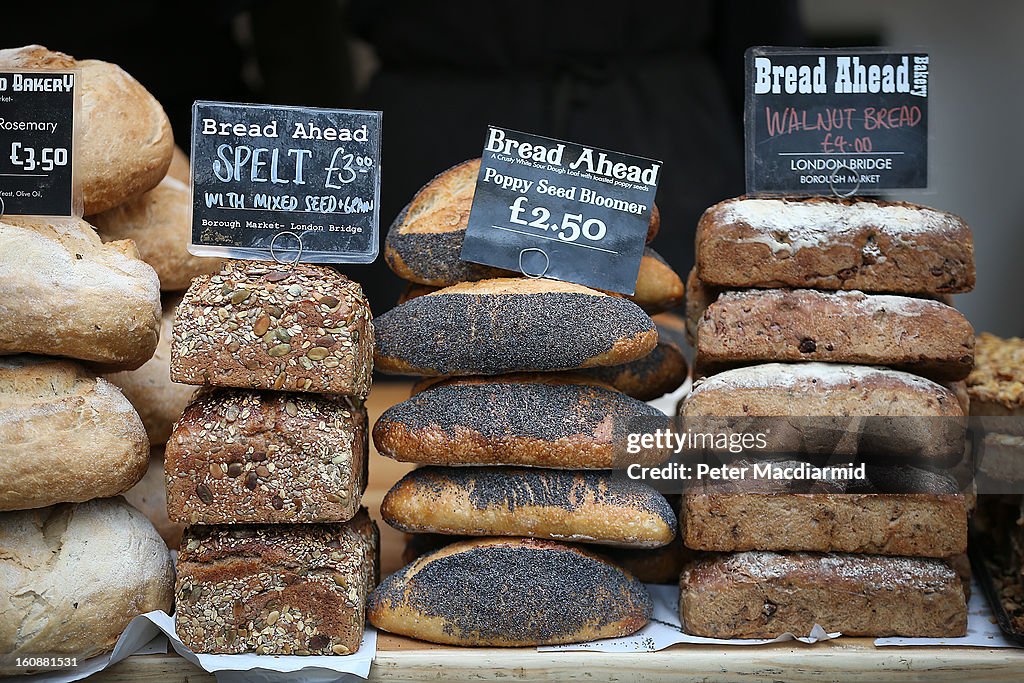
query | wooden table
(403,659)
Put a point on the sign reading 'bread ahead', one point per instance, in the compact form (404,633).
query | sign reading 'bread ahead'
(836,122)
(556,209)
(288,183)
(37,134)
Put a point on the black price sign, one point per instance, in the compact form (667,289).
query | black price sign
(37,134)
(561,210)
(290,183)
(843,121)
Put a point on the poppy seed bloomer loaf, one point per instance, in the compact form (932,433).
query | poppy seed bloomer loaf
(660,372)
(492,327)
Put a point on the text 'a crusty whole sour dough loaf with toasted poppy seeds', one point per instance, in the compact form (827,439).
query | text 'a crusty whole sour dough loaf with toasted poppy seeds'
(508,325)
(537,421)
(258,325)
(511,592)
(584,507)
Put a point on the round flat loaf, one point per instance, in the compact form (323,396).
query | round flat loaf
(582,507)
(73,576)
(557,422)
(507,325)
(660,372)
(425,242)
(512,592)
(160,223)
(125,141)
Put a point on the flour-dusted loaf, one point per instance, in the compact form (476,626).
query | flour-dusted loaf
(507,325)
(256,325)
(830,243)
(923,336)
(660,372)
(583,507)
(764,594)
(149,497)
(73,576)
(158,400)
(65,435)
(160,223)
(65,293)
(510,592)
(996,385)
(563,422)
(276,589)
(266,457)
(124,139)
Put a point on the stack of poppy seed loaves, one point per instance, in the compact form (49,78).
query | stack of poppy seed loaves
(809,313)
(515,423)
(268,462)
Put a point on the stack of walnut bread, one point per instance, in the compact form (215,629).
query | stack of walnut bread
(78,563)
(830,308)
(526,385)
(268,463)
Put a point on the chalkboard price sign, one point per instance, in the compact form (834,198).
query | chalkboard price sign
(37,134)
(288,183)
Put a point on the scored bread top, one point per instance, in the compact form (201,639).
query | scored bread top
(443,204)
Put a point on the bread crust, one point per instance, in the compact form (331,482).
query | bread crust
(660,372)
(996,385)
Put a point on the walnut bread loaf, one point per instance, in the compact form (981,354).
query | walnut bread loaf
(918,335)
(511,592)
(65,293)
(65,435)
(280,589)
(996,385)
(582,507)
(73,576)
(266,457)
(829,243)
(553,421)
(764,595)
(256,325)
(508,325)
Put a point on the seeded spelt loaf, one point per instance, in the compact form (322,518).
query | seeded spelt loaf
(260,325)
(510,592)
(829,243)
(283,589)
(266,457)
(763,595)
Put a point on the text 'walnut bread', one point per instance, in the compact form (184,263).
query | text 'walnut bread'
(258,325)
(65,435)
(829,243)
(65,293)
(918,335)
(124,143)
(763,595)
(266,457)
(511,592)
(583,507)
(536,420)
(281,589)
(73,576)
(507,325)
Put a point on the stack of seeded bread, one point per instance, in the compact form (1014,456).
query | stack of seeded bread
(830,308)
(523,394)
(268,463)
(77,562)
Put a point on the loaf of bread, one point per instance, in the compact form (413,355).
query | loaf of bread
(538,421)
(73,576)
(507,325)
(583,507)
(160,223)
(653,565)
(830,243)
(258,325)
(124,140)
(764,595)
(699,295)
(996,385)
(918,335)
(180,168)
(660,372)
(510,592)
(65,435)
(239,457)
(65,293)
(157,399)
(149,497)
